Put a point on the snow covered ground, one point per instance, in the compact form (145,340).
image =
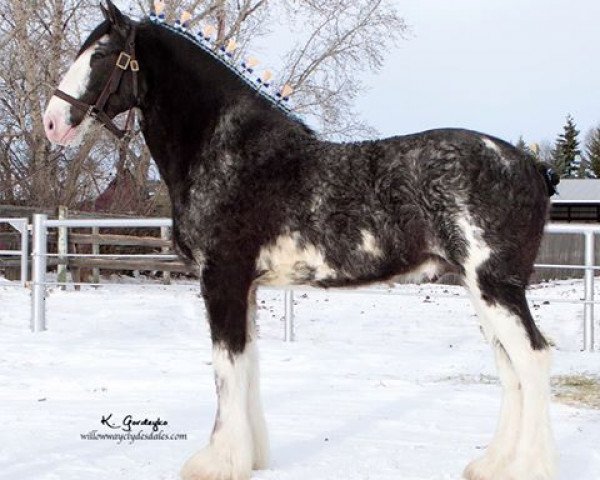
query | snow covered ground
(373,388)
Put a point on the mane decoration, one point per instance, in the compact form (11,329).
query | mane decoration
(245,70)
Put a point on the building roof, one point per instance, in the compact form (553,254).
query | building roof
(573,190)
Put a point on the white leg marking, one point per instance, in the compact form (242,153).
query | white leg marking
(256,416)
(229,455)
(536,452)
(501,449)
(523,446)
(524,437)
(258,425)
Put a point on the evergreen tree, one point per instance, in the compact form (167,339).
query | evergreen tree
(531,151)
(535,151)
(521,145)
(592,150)
(567,153)
(585,169)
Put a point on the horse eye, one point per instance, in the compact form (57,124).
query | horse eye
(98,55)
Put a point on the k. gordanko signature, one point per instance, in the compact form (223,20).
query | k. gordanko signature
(131,429)
(129,421)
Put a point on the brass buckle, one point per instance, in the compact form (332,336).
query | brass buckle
(124,61)
(135,66)
(92,112)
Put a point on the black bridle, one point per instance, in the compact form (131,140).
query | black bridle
(126,61)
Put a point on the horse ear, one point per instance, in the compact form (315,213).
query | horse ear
(114,16)
(104,11)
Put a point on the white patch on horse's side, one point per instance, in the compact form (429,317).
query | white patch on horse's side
(290,260)
(317,201)
(491,145)
(478,250)
(76,80)
(369,244)
(424,272)
(230,453)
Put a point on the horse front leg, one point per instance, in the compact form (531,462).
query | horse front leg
(256,416)
(238,442)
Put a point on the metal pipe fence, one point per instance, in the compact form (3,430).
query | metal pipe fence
(41,224)
(22,226)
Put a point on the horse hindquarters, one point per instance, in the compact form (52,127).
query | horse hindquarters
(239,441)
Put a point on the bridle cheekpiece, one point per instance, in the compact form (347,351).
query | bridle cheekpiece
(126,61)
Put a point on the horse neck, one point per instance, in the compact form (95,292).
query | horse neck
(184,95)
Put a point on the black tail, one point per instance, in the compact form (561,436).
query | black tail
(550,176)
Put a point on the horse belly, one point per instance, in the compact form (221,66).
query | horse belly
(290,260)
(428,271)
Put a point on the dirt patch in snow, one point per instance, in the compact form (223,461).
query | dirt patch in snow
(577,390)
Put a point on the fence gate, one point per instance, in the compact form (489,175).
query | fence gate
(22,226)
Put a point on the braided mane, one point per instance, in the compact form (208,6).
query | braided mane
(258,87)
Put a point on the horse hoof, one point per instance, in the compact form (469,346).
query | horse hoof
(473,472)
(211,464)
(527,471)
(484,468)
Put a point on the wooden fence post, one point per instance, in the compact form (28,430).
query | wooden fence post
(63,248)
(165,234)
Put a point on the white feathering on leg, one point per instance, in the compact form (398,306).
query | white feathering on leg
(229,455)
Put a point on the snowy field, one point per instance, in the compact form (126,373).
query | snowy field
(375,387)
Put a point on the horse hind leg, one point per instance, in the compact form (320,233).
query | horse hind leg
(501,450)
(523,446)
(523,357)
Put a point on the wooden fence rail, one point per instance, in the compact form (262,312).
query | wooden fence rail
(64,244)
(118,240)
(555,249)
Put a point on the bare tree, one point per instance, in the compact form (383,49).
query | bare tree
(342,39)
(39,38)
(336,41)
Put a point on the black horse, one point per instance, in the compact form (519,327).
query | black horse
(260,199)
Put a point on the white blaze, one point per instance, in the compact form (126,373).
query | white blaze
(76,80)
(75,83)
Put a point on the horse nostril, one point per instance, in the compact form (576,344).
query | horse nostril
(50,125)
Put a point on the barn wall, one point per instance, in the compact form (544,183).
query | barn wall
(562,249)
